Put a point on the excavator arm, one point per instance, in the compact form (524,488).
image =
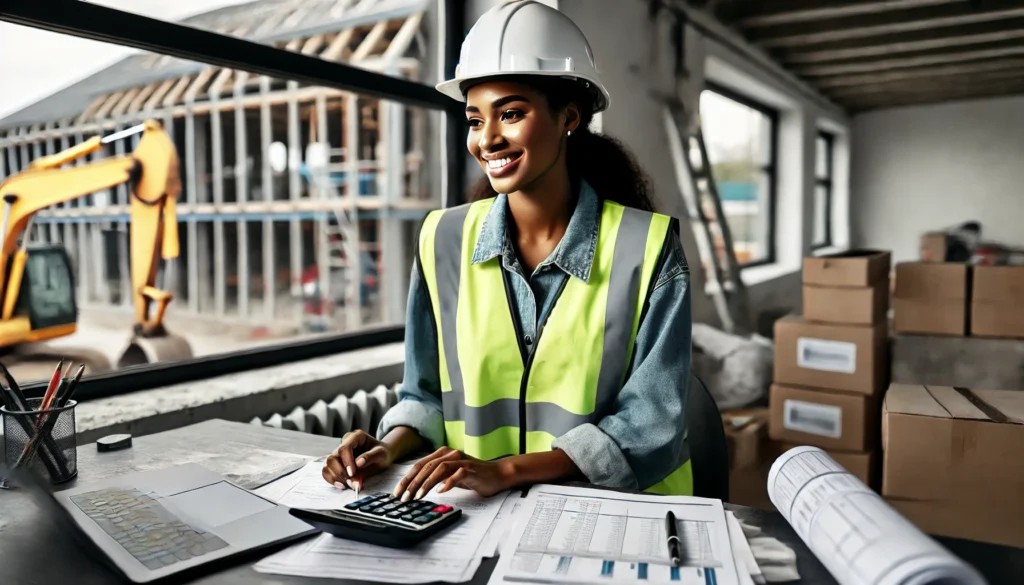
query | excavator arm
(152,174)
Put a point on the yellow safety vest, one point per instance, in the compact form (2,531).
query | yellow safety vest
(498,404)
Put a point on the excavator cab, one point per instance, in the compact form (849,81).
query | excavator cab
(47,295)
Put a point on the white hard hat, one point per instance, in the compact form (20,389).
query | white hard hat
(524,37)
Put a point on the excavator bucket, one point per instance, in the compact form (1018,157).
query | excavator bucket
(149,350)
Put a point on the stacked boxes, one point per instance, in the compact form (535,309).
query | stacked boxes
(831,364)
(931,298)
(943,298)
(996,307)
(952,460)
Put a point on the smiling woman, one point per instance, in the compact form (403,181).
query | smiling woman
(549,326)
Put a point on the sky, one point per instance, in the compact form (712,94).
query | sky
(36,63)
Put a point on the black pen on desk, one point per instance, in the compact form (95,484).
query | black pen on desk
(15,389)
(673,542)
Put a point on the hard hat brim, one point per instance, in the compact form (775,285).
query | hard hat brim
(453,87)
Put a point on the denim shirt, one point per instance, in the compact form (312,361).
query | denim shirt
(639,443)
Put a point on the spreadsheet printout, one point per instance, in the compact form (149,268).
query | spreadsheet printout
(855,534)
(590,536)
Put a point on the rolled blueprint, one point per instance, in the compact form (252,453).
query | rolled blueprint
(855,534)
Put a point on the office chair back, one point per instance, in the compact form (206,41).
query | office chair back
(709,453)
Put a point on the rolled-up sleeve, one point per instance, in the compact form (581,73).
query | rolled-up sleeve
(419,396)
(641,441)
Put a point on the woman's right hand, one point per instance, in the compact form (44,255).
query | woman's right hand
(359,456)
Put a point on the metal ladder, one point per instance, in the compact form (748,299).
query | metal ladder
(339,238)
(707,221)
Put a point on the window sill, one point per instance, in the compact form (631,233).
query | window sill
(240,397)
(755,275)
(760,274)
(826,250)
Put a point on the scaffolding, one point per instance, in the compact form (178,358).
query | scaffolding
(298,203)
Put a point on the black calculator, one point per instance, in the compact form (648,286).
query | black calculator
(383,519)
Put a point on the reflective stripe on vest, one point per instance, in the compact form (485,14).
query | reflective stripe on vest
(579,358)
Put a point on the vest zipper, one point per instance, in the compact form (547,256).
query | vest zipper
(529,357)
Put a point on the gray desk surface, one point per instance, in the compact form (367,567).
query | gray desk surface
(37,553)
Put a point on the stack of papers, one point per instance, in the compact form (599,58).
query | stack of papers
(586,536)
(452,556)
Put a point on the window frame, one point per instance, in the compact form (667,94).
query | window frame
(827,182)
(112,26)
(770,168)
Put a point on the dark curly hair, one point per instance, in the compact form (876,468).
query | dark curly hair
(604,162)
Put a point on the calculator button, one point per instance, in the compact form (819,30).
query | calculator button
(406,509)
(393,514)
(368,508)
(389,507)
(352,506)
(365,500)
(378,511)
(425,505)
(442,509)
(427,518)
(408,517)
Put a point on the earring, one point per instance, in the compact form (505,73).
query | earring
(568,132)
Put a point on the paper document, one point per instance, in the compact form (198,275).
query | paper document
(452,556)
(502,524)
(746,566)
(247,466)
(307,488)
(590,536)
(859,538)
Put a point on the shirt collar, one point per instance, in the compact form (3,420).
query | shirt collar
(574,253)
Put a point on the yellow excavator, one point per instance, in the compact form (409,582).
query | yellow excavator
(37,282)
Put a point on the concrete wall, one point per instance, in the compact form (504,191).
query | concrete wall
(923,168)
(618,31)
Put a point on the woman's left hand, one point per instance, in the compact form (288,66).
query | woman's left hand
(455,469)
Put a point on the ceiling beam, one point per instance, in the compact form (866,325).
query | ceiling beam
(938,85)
(940,58)
(814,10)
(910,43)
(884,24)
(895,101)
(922,73)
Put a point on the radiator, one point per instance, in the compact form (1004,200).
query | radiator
(361,411)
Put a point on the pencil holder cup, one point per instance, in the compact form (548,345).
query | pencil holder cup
(45,440)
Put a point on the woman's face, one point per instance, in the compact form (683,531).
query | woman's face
(513,134)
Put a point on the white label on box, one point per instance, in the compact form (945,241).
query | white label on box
(817,419)
(826,355)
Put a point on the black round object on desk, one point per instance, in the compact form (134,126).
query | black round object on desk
(114,442)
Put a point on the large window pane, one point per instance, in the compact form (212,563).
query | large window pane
(821,209)
(394,37)
(740,144)
(298,208)
(823,191)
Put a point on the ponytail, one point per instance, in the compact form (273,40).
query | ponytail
(603,162)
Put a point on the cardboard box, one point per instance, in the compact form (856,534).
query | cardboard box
(996,309)
(952,444)
(981,521)
(836,357)
(746,433)
(861,268)
(748,486)
(864,466)
(931,298)
(837,421)
(933,247)
(850,306)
